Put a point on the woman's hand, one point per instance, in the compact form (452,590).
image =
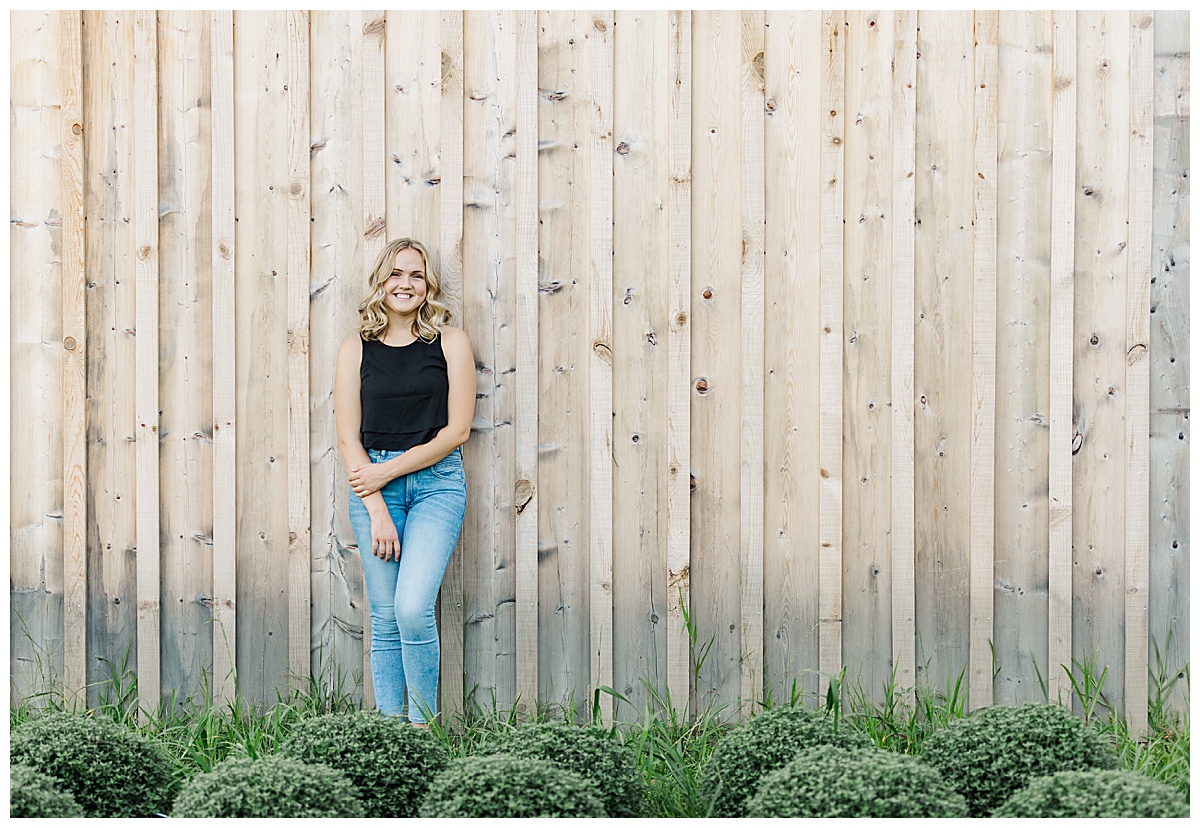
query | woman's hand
(368,479)
(385,543)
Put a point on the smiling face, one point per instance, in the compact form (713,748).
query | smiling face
(405,289)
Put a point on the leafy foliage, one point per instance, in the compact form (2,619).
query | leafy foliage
(389,761)
(1109,793)
(504,785)
(996,751)
(273,787)
(588,751)
(35,795)
(828,781)
(109,770)
(768,741)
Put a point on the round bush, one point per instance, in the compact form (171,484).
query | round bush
(588,751)
(828,781)
(108,769)
(996,751)
(273,786)
(389,762)
(767,742)
(34,795)
(1081,794)
(504,785)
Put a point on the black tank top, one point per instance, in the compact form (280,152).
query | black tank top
(404,391)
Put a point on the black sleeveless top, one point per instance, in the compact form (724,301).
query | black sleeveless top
(404,392)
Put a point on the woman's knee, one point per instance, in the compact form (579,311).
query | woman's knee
(415,620)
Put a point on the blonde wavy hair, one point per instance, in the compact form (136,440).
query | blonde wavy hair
(431,316)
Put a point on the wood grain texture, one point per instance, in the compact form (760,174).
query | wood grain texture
(1170,397)
(146,274)
(791,326)
(108,110)
(36,351)
(904,138)
(752,413)
(717,251)
(527,352)
(942,341)
(1062,326)
(1137,371)
(599,364)
(639,352)
(261,183)
(833,83)
(299,260)
(489,311)
(224,339)
(1023,220)
(335,287)
(866,376)
(1101,394)
(450,600)
(374,206)
(412,110)
(679,349)
(983,365)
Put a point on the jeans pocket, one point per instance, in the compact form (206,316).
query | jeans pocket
(449,467)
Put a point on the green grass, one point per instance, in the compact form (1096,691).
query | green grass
(671,747)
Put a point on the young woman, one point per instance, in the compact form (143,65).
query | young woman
(404,396)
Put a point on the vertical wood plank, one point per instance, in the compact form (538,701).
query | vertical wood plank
(942,427)
(904,143)
(412,111)
(1170,431)
(599,364)
(374,205)
(1024,174)
(753,263)
(1137,371)
(336,285)
(224,339)
(716,361)
(526,392)
(185,413)
(639,301)
(1062,326)
(299,220)
(145,232)
(867,296)
(489,309)
(450,244)
(833,80)
(261,183)
(108,110)
(983,364)
(37,255)
(1101,395)
(679,342)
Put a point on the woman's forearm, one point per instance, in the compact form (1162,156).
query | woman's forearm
(424,455)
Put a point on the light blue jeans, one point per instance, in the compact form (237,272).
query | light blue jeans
(427,507)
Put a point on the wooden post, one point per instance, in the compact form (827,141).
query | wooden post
(1062,324)
(145,222)
(224,338)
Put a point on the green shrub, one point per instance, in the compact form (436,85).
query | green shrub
(996,751)
(35,795)
(504,785)
(1108,793)
(767,742)
(588,751)
(389,761)
(109,770)
(828,781)
(273,787)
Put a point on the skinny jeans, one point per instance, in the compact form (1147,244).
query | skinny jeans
(427,507)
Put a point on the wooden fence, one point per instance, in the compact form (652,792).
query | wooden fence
(804,341)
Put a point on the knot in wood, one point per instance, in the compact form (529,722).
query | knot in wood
(522,494)
(296,189)
(143,252)
(223,250)
(622,148)
(702,385)
(76,129)
(69,343)
(707,294)
(599,25)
